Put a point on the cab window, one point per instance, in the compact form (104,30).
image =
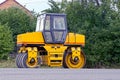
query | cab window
(40,23)
(47,23)
(59,23)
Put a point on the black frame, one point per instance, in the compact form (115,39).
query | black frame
(52,30)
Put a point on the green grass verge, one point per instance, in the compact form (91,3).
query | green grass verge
(11,64)
(7,63)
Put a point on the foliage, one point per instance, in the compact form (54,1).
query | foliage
(17,20)
(101,25)
(6,41)
(55,7)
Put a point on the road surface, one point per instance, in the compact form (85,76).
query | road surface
(59,74)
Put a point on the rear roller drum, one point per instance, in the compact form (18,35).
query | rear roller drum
(18,60)
(22,61)
(77,62)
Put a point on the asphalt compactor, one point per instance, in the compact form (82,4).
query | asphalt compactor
(50,44)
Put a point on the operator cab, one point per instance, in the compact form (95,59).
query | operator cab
(53,26)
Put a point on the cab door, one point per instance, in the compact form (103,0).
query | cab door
(55,29)
(47,30)
(59,29)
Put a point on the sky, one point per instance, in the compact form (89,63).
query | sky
(36,5)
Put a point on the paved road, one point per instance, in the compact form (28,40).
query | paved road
(59,74)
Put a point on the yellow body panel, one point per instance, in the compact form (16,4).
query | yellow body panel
(37,38)
(55,54)
(55,47)
(75,39)
(30,38)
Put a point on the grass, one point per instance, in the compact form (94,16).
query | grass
(11,64)
(7,63)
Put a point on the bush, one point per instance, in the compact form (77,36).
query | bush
(6,41)
(18,21)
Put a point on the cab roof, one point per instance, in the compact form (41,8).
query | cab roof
(55,14)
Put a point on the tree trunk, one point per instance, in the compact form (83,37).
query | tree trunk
(97,1)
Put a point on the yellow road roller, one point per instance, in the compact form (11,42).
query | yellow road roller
(51,44)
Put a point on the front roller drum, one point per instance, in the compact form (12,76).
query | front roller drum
(22,61)
(68,62)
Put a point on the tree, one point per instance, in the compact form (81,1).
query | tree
(56,7)
(6,41)
(18,21)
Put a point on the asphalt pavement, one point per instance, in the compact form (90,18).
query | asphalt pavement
(58,74)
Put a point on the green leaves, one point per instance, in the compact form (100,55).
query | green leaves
(6,41)
(54,7)
(17,20)
(13,21)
